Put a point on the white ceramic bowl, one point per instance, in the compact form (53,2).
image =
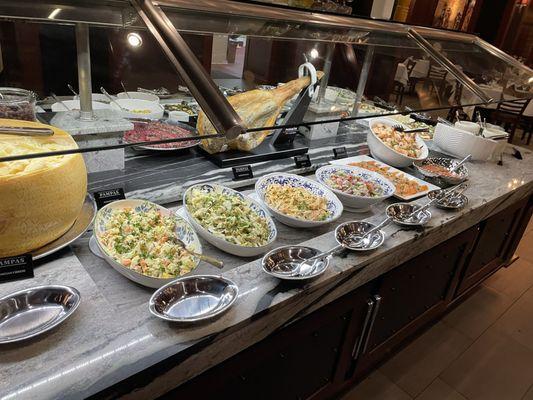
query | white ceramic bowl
(333,203)
(156,111)
(384,153)
(75,105)
(183,230)
(461,143)
(468,126)
(222,243)
(360,203)
(138,96)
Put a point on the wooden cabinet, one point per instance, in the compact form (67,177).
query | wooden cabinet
(301,360)
(496,243)
(412,294)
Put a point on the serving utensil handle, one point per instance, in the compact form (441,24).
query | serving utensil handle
(210,260)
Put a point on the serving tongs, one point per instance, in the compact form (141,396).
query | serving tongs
(25,131)
(401,128)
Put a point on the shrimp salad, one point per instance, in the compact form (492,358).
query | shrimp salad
(142,241)
(403,143)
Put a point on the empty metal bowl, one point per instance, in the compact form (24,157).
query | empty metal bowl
(454,202)
(193,298)
(348,233)
(449,164)
(400,212)
(31,312)
(284,262)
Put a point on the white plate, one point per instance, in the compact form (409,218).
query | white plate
(349,160)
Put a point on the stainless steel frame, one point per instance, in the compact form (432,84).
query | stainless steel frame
(84,72)
(213,103)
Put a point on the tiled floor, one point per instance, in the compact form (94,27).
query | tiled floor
(482,350)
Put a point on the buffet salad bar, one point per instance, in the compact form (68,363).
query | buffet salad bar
(45,207)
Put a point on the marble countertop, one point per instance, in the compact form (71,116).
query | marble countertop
(112,335)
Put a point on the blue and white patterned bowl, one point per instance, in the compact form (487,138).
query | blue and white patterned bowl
(333,203)
(221,243)
(183,230)
(358,203)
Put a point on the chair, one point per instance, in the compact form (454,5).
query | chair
(509,114)
(436,79)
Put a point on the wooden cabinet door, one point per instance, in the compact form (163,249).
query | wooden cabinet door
(492,245)
(301,360)
(413,294)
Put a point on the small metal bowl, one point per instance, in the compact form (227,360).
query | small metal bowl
(400,211)
(283,262)
(449,164)
(193,298)
(31,312)
(454,202)
(347,232)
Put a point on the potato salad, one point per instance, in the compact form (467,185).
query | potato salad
(297,202)
(142,241)
(229,217)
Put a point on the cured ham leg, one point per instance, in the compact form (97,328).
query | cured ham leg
(257,108)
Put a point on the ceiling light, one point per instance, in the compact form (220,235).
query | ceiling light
(134,39)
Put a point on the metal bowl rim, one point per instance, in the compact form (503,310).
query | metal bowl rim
(293,278)
(407,223)
(72,290)
(229,282)
(372,225)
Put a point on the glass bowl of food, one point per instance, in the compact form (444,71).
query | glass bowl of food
(17,104)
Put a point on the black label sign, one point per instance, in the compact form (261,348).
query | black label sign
(340,152)
(302,161)
(104,197)
(17,267)
(242,172)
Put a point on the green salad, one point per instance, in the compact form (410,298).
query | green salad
(228,217)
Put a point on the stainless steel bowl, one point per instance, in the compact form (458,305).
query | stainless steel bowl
(449,164)
(284,262)
(193,298)
(454,202)
(31,312)
(399,212)
(347,233)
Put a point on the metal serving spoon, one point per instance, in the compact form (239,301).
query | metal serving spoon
(72,89)
(444,196)
(210,260)
(59,101)
(358,239)
(104,92)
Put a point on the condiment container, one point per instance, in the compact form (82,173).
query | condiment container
(17,104)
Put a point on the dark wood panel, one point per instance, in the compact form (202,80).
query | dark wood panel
(491,250)
(297,362)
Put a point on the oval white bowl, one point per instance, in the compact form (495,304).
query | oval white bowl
(221,243)
(156,110)
(384,153)
(352,201)
(334,204)
(461,143)
(138,96)
(184,231)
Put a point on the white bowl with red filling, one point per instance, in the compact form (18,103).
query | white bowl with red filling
(357,188)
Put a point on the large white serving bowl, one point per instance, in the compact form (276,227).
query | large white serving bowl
(75,105)
(139,96)
(460,143)
(334,205)
(384,153)
(156,109)
(220,242)
(183,231)
(360,203)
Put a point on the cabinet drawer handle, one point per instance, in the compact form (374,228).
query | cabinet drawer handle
(359,342)
(377,299)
